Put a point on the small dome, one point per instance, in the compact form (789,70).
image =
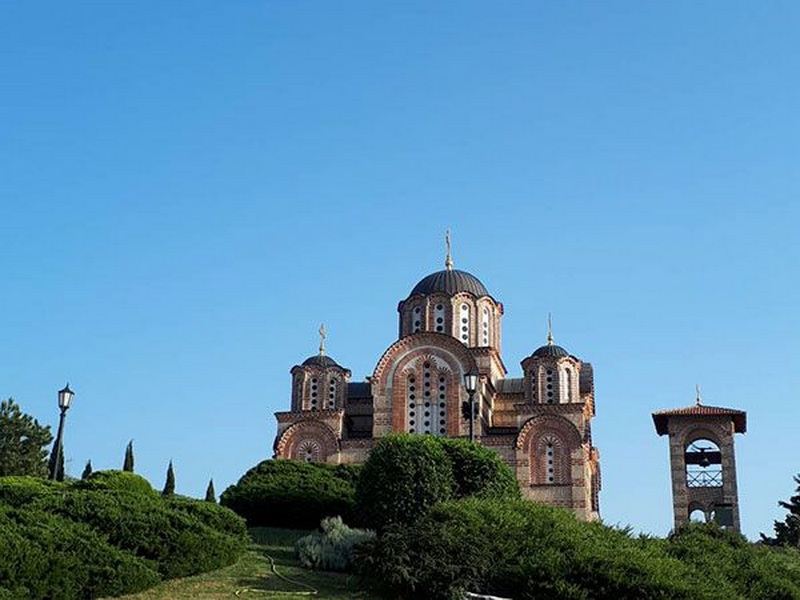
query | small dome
(450,282)
(550,351)
(320,360)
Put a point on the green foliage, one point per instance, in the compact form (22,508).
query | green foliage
(479,471)
(179,543)
(127,464)
(287,493)
(406,475)
(519,549)
(211,495)
(87,470)
(23,442)
(116,480)
(403,478)
(331,548)
(20,491)
(169,484)
(216,517)
(787,532)
(46,557)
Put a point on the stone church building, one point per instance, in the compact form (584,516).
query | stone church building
(449,325)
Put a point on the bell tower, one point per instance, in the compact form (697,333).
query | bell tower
(702,462)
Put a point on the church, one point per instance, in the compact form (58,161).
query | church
(451,326)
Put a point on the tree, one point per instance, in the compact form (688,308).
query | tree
(23,442)
(87,470)
(127,465)
(169,485)
(787,532)
(210,494)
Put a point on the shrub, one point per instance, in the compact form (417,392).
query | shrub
(331,547)
(46,557)
(21,491)
(214,516)
(518,549)
(479,471)
(292,494)
(143,524)
(403,478)
(116,480)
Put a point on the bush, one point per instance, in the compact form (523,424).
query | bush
(292,494)
(21,491)
(403,478)
(214,516)
(116,480)
(519,549)
(47,557)
(479,471)
(143,524)
(331,547)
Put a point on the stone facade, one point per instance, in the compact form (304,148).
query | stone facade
(540,423)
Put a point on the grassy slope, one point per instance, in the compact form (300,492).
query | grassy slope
(252,576)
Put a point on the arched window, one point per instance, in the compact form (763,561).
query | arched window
(568,384)
(463,323)
(551,386)
(438,317)
(416,319)
(485,327)
(332,392)
(308,451)
(426,401)
(550,461)
(703,464)
(314,393)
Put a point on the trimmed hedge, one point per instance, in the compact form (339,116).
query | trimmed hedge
(405,475)
(293,494)
(107,536)
(527,551)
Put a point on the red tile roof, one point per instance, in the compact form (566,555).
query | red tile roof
(739,417)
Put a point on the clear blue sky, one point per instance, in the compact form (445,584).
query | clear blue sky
(187,189)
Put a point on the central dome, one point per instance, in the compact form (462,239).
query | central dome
(450,282)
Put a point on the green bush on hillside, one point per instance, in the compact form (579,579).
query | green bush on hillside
(527,551)
(21,491)
(404,476)
(179,543)
(214,516)
(479,471)
(43,556)
(292,494)
(116,480)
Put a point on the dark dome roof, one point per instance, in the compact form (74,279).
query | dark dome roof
(450,282)
(320,360)
(550,351)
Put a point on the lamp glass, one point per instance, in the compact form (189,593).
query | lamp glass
(471,381)
(65,397)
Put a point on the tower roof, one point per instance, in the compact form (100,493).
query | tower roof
(320,360)
(739,417)
(450,282)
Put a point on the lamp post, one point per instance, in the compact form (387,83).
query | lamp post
(471,384)
(64,401)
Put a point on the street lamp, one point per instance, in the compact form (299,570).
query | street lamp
(471,384)
(64,402)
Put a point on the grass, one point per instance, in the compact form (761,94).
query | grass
(252,577)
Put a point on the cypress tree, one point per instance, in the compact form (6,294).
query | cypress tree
(787,532)
(210,494)
(128,464)
(169,485)
(87,470)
